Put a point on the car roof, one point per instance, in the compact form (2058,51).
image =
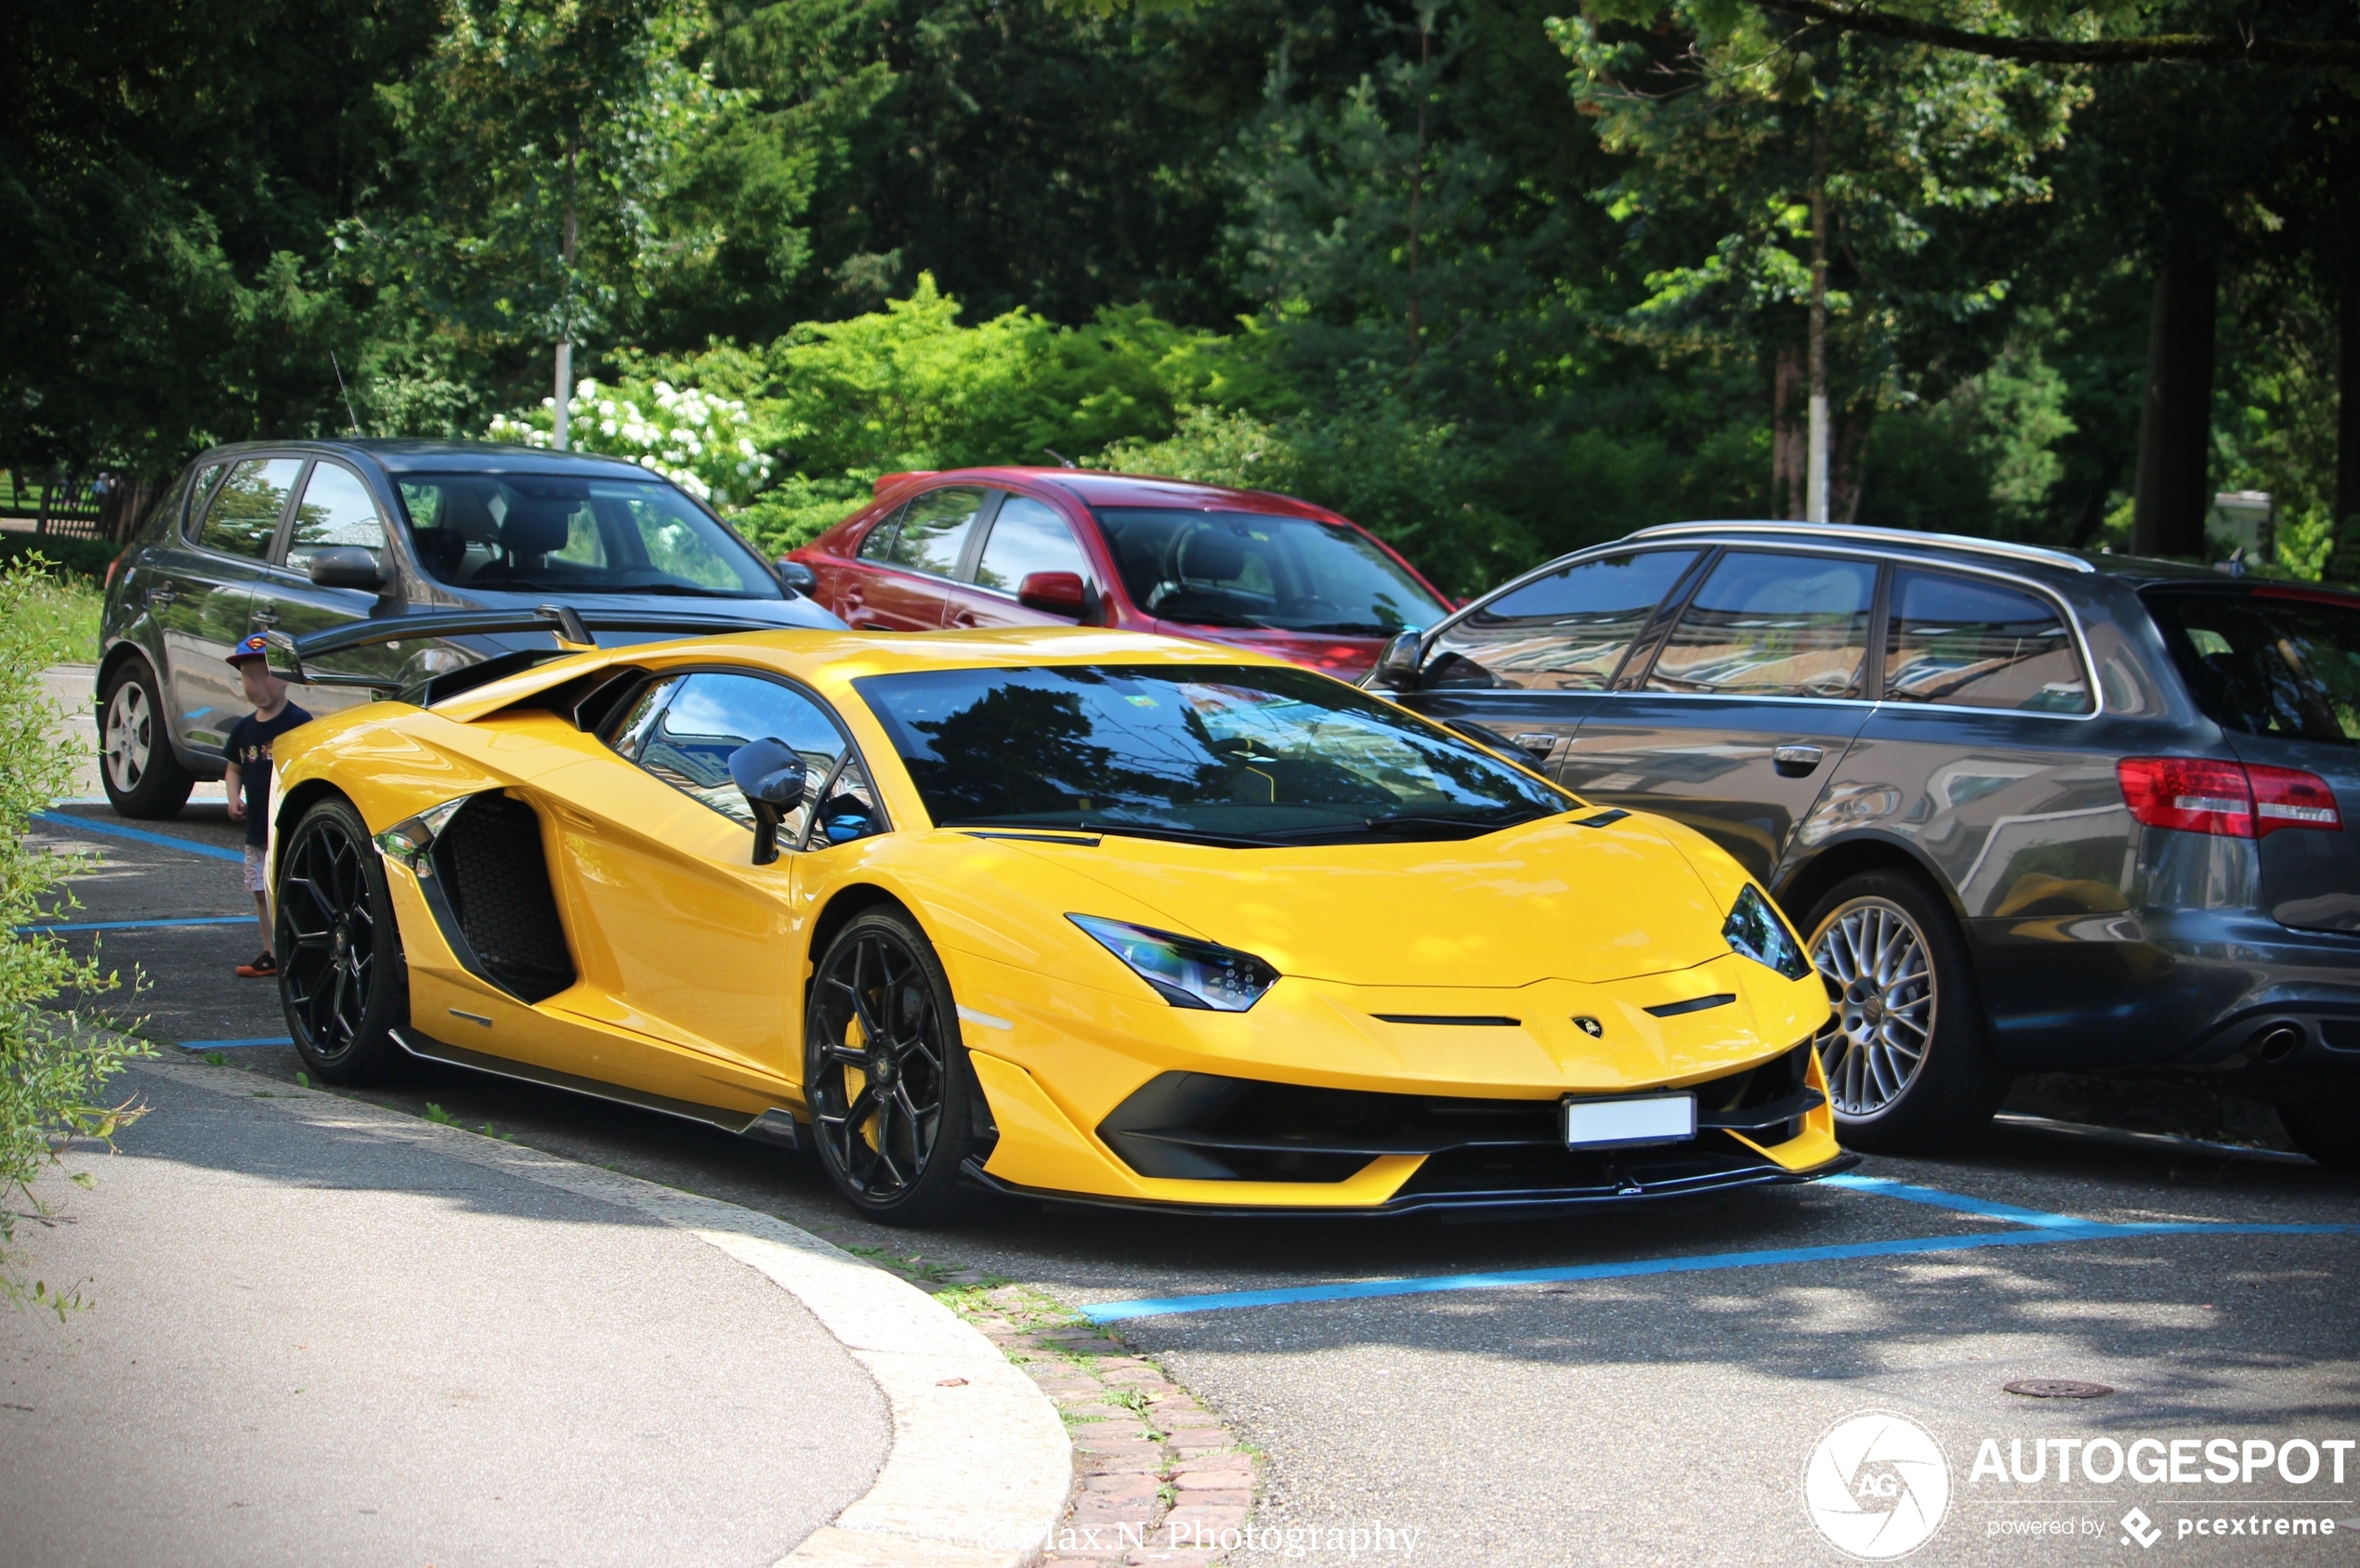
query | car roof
(1095,488)
(406,456)
(829,661)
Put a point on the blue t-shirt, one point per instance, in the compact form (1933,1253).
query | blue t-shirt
(250,741)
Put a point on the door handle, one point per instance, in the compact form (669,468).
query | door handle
(1796,760)
(161,593)
(964,618)
(1539,742)
(266,615)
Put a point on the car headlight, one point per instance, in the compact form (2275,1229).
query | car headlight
(1183,971)
(1754,929)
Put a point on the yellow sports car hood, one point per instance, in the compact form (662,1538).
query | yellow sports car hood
(1548,901)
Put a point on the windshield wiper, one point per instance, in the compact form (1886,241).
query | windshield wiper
(1459,826)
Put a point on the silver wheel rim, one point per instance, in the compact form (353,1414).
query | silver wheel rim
(130,733)
(1881,982)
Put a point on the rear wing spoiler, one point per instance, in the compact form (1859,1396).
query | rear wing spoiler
(571,627)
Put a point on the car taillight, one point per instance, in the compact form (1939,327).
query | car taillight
(2229,798)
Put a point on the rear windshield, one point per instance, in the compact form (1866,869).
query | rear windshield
(1244,568)
(527,532)
(2269,663)
(1213,753)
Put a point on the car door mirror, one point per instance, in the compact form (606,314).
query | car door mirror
(799,578)
(346,565)
(1398,665)
(770,776)
(1054,593)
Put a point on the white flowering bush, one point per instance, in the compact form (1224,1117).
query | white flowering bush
(703,443)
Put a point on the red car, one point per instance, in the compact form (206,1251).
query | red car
(1037,546)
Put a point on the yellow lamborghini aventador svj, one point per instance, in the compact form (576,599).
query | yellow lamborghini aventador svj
(1072,913)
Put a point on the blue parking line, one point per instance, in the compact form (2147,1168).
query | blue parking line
(1115,1312)
(1935,1197)
(230,1044)
(134,926)
(141,835)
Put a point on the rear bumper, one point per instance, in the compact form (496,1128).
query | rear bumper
(2221,992)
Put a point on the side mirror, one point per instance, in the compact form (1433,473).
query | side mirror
(1054,593)
(348,566)
(799,578)
(1398,665)
(770,777)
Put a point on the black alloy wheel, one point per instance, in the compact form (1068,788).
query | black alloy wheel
(1909,1070)
(891,1092)
(142,777)
(341,976)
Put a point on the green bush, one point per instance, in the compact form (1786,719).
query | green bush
(84,557)
(53,1071)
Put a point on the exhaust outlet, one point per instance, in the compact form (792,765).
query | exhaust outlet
(2277,1042)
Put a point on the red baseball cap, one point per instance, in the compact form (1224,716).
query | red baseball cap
(255,645)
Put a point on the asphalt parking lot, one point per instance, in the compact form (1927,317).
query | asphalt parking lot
(1640,1387)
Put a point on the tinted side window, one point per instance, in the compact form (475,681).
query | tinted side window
(934,530)
(1565,631)
(1027,536)
(335,509)
(877,544)
(193,501)
(244,518)
(1976,644)
(2267,665)
(1772,625)
(686,742)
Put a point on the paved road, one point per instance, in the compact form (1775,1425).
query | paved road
(311,1345)
(1616,1414)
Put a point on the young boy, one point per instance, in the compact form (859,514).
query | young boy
(248,780)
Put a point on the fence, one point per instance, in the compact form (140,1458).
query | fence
(109,506)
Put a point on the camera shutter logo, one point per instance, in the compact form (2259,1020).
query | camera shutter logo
(1877,1485)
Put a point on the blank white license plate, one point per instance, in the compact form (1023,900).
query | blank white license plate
(1621,1124)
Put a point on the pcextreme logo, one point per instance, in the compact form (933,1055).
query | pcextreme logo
(1877,1485)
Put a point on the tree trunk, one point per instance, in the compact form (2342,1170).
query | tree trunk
(1789,439)
(2343,560)
(48,499)
(2175,425)
(1849,441)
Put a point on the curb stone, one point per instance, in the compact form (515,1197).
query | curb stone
(1159,1472)
(979,1468)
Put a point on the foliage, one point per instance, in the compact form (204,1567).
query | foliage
(60,554)
(701,442)
(53,1072)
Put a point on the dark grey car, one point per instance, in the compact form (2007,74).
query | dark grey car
(2035,810)
(302,536)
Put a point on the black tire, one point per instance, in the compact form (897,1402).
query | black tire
(1909,1067)
(2329,1134)
(893,1097)
(143,777)
(342,979)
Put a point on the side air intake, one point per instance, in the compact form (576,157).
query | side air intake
(493,880)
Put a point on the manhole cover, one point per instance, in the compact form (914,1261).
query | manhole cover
(2058,1387)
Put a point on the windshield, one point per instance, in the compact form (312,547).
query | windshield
(1243,568)
(529,532)
(2271,662)
(1219,752)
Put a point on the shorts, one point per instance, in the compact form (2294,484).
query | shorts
(258,867)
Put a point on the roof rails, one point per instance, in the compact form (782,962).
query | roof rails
(1839,531)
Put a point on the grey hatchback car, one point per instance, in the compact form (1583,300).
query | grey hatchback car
(2035,810)
(305,536)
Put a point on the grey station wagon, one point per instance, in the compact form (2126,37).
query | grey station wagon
(2035,810)
(304,536)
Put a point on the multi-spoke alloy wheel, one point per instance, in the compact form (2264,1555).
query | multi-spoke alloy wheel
(1909,1070)
(142,777)
(1880,983)
(887,1077)
(341,977)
